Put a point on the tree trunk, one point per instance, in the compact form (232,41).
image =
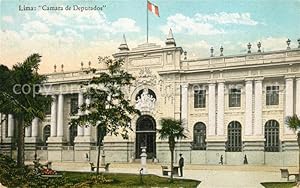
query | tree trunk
(298,139)
(98,157)
(20,141)
(172,161)
(172,148)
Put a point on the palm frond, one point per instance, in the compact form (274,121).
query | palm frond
(293,122)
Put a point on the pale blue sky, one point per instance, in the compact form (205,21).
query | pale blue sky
(72,36)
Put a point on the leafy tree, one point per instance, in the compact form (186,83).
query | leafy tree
(19,96)
(109,109)
(293,123)
(171,129)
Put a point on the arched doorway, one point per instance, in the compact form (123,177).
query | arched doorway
(146,136)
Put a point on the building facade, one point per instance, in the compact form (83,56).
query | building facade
(231,107)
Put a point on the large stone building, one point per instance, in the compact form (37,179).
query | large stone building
(231,106)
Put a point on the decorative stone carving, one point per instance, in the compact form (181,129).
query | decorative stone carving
(146,77)
(145,102)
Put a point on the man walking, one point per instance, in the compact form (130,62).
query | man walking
(181,164)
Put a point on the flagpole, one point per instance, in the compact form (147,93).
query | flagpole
(147,18)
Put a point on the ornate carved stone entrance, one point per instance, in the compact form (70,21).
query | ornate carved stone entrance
(146,136)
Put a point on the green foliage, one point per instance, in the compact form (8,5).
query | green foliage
(19,96)
(109,107)
(112,180)
(171,129)
(13,176)
(293,122)
(12,100)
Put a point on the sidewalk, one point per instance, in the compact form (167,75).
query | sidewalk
(211,176)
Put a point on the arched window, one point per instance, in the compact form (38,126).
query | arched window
(73,134)
(46,133)
(234,139)
(199,136)
(272,136)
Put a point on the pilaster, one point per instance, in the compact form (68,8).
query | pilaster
(184,105)
(212,109)
(289,103)
(220,109)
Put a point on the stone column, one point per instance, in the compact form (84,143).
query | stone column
(35,127)
(184,105)
(10,126)
(87,129)
(28,131)
(60,116)
(258,126)
(53,132)
(289,102)
(80,102)
(32,140)
(298,96)
(248,107)
(212,109)
(220,110)
(56,140)
(3,126)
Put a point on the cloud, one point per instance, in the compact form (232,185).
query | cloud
(226,18)
(53,18)
(8,19)
(91,20)
(273,43)
(198,49)
(35,27)
(184,24)
(125,24)
(206,24)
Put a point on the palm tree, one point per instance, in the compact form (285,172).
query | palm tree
(171,129)
(293,123)
(23,106)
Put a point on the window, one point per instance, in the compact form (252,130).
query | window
(73,134)
(46,133)
(199,98)
(234,97)
(74,106)
(272,95)
(199,136)
(272,136)
(234,140)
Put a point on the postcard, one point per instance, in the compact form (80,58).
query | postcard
(150,93)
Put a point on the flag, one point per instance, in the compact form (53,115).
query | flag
(153,8)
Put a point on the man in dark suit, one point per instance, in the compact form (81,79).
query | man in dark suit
(181,164)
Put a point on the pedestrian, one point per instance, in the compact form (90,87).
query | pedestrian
(245,159)
(181,164)
(221,160)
